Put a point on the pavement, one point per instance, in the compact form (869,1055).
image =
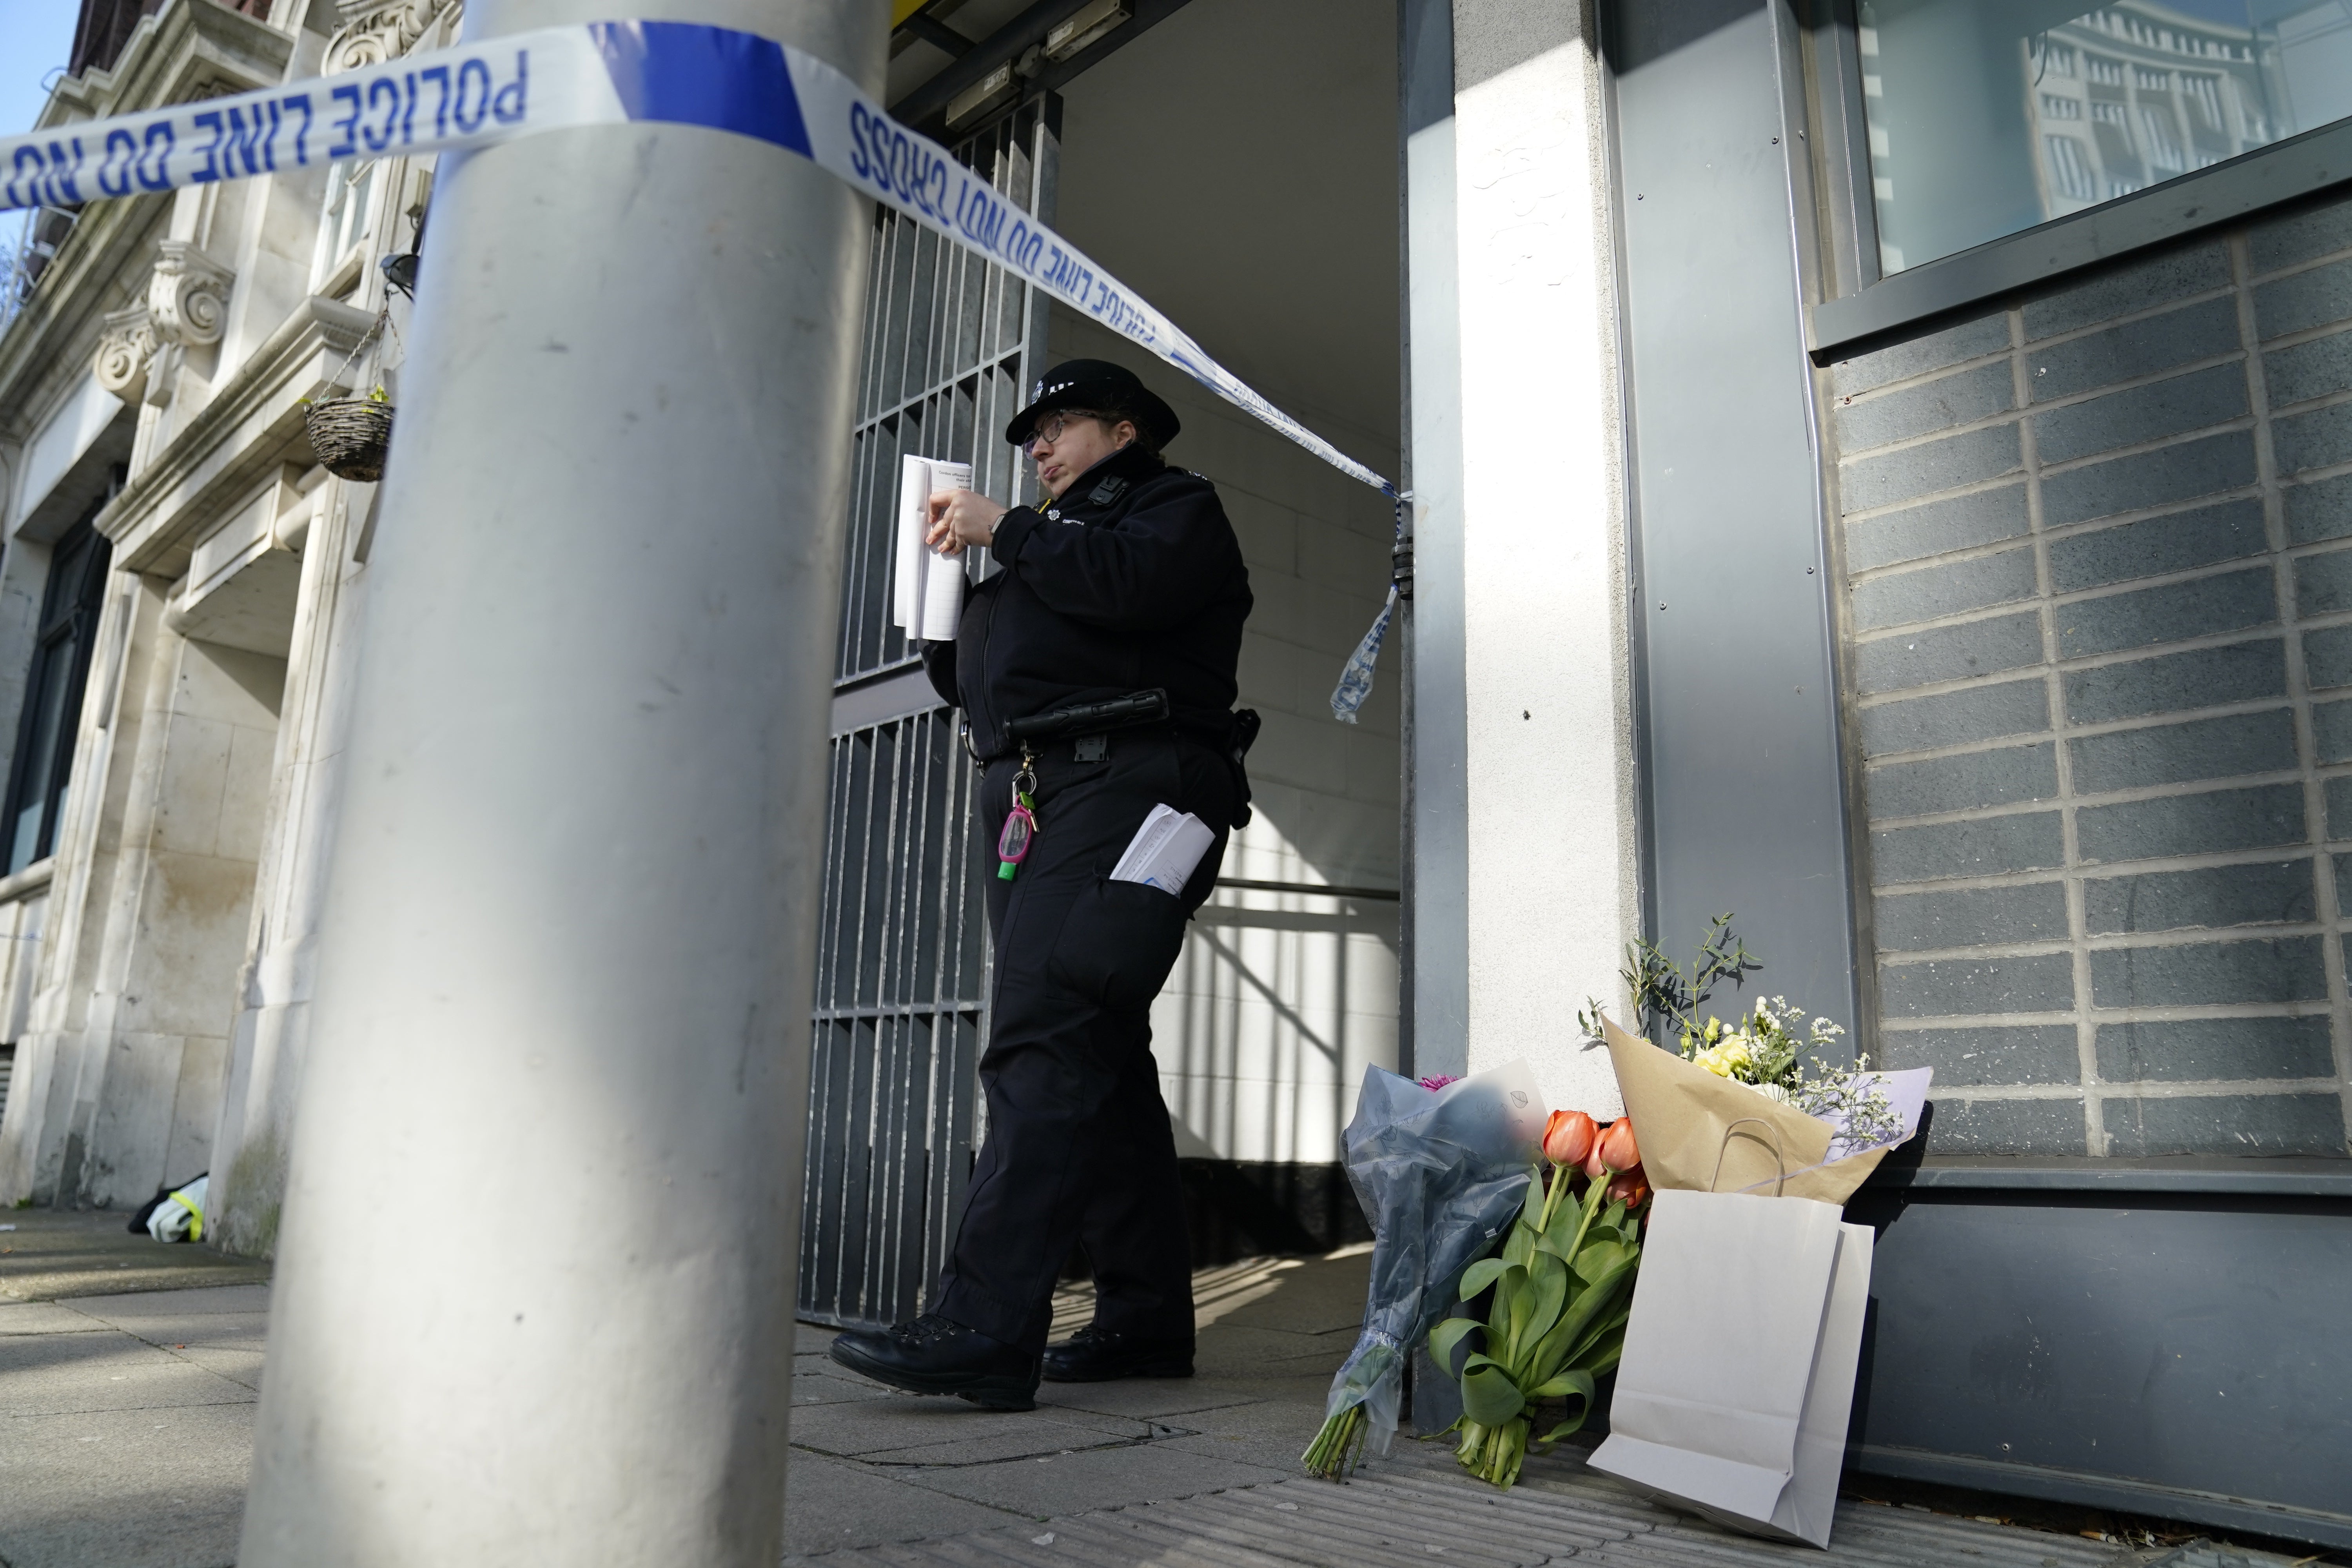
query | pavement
(126,1432)
(128,1374)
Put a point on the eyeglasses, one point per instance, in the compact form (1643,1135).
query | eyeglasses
(1049,429)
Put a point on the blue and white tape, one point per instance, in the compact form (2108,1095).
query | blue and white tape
(603,73)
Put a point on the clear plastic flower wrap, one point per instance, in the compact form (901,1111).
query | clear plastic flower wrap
(1441,1173)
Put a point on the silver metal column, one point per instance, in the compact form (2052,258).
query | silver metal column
(534,1298)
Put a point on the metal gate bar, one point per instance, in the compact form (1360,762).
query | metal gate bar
(900,1007)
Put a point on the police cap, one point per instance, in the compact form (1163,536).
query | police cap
(1103,387)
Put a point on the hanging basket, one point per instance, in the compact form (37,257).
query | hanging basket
(348,434)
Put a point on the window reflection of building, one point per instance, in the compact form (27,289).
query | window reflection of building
(2138,92)
(2110,100)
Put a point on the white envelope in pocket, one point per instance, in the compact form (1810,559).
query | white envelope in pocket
(1740,1353)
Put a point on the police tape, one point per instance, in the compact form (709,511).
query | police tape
(606,73)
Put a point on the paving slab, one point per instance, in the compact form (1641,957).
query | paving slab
(75,1373)
(1273,1433)
(209,1309)
(828,1506)
(1155,1399)
(44,1318)
(1230,1349)
(1073,1483)
(54,1254)
(911,1421)
(124,1488)
(830,1385)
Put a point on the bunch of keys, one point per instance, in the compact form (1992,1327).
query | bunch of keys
(1020,828)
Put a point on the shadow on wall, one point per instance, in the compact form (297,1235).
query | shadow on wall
(1235,1209)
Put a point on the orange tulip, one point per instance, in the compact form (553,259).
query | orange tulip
(1632,1186)
(1569,1137)
(1617,1149)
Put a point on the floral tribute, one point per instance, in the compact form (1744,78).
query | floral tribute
(1440,1168)
(1563,1286)
(1772,1050)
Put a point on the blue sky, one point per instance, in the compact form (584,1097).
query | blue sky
(38,34)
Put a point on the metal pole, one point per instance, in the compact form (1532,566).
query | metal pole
(534,1294)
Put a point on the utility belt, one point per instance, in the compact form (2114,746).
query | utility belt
(1087,727)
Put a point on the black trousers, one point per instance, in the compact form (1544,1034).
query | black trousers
(1079,1148)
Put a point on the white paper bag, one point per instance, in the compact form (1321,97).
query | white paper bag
(927,587)
(1740,1354)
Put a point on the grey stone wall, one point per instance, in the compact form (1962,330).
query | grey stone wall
(2097,553)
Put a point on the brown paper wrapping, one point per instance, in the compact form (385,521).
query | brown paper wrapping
(1683,1117)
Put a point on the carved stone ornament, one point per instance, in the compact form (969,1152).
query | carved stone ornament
(188,295)
(374,31)
(126,345)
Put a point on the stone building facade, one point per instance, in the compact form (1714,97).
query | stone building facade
(180,585)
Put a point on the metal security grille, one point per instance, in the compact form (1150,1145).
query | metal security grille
(901,977)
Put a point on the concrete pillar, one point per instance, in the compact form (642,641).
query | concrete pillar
(534,1298)
(1553,890)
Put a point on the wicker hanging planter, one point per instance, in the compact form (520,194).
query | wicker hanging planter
(348,434)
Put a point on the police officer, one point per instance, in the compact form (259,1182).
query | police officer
(1125,583)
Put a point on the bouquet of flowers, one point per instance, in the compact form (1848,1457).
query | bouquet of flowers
(1772,1050)
(1439,1172)
(1563,1287)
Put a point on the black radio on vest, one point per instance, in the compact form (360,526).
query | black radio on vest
(1095,672)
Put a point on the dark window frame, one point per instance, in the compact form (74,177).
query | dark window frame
(1860,304)
(71,602)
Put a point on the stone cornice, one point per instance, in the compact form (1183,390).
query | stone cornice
(104,268)
(374,31)
(190,50)
(253,423)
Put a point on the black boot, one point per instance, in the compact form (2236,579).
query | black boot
(932,1355)
(1098,1355)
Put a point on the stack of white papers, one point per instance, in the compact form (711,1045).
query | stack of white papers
(1164,850)
(928,593)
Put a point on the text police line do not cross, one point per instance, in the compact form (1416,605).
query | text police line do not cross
(608,73)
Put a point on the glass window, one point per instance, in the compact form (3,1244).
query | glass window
(1990,116)
(43,769)
(343,224)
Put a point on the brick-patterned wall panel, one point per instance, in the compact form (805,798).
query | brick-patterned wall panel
(2098,559)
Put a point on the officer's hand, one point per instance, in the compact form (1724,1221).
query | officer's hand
(962,519)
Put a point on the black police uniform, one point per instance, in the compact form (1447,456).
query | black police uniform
(1133,580)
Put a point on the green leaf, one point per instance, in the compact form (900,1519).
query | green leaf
(1485,1272)
(1531,1208)
(1447,1337)
(1570,1385)
(1606,1336)
(1566,1384)
(1551,1354)
(1488,1396)
(1562,1233)
(1518,1244)
(1519,1292)
(1600,1258)
(1549,1296)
